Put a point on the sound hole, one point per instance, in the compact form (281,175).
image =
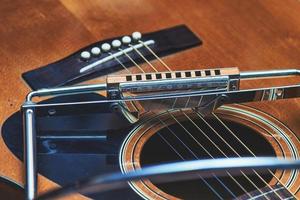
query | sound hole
(157,151)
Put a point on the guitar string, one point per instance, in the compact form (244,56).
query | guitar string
(231,146)
(214,131)
(140,54)
(248,149)
(262,193)
(195,140)
(222,152)
(191,135)
(129,57)
(179,155)
(261,178)
(252,198)
(173,116)
(227,129)
(155,55)
(205,182)
(194,155)
(206,151)
(185,128)
(118,60)
(190,150)
(170,130)
(169,70)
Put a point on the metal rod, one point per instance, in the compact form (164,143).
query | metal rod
(97,87)
(30,154)
(66,90)
(269,73)
(292,90)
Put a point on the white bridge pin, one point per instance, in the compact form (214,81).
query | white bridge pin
(126,40)
(116,43)
(105,47)
(85,55)
(95,51)
(136,35)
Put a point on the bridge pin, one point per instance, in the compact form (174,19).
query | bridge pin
(85,55)
(116,43)
(136,35)
(105,47)
(126,39)
(95,51)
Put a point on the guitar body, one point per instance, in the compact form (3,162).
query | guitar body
(251,35)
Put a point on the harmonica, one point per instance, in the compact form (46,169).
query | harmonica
(204,80)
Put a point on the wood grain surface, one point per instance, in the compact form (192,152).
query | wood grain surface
(252,34)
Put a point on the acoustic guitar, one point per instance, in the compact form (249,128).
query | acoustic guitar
(253,35)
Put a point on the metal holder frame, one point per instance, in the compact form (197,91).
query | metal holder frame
(29,109)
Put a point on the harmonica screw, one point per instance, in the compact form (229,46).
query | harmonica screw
(223,98)
(114,107)
(52,112)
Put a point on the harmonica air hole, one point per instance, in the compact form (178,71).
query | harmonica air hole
(158,76)
(148,76)
(178,74)
(188,74)
(128,78)
(198,73)
(217,72)
(207,72)
(138,77)
(168,75)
